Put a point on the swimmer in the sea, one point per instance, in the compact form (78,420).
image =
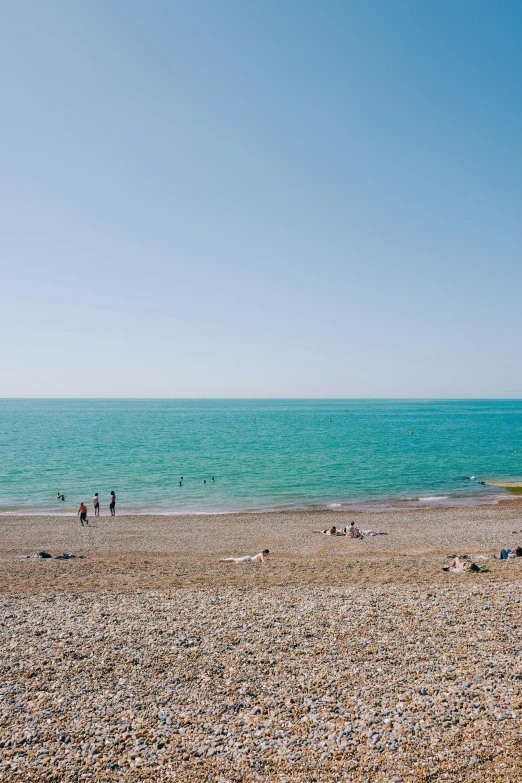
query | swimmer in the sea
(260,558)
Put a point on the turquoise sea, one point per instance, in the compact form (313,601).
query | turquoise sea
(263,454)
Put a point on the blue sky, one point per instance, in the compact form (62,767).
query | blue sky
(313,199)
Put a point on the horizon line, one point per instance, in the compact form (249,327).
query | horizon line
(275,398)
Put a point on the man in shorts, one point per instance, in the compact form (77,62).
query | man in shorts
(82,513)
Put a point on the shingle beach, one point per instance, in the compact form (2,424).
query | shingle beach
(338,660)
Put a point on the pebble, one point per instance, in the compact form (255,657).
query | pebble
(391,684)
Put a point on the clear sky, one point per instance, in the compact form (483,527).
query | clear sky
(270,198)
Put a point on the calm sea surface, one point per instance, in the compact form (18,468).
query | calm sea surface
(263,454)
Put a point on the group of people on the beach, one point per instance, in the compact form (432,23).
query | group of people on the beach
(465,565)
(459,565)
(82,511)
(351,531)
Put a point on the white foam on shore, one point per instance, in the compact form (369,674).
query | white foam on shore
(377,504)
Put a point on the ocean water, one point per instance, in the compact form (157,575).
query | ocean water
(263,454)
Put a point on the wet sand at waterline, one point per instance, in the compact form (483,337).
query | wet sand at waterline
(339,660)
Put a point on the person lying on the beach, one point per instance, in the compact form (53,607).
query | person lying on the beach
(260,558)
(371,533)
(332,531)
(510,554)
(460,566)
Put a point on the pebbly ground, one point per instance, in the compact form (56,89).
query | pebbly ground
(320,666)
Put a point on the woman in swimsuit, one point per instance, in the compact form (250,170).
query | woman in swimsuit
(260,558)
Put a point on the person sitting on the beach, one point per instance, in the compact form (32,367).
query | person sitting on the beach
(260,558)
(352,532)
(332,531)
(510,554)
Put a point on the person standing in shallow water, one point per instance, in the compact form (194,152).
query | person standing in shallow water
(82,513)
(112,504)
